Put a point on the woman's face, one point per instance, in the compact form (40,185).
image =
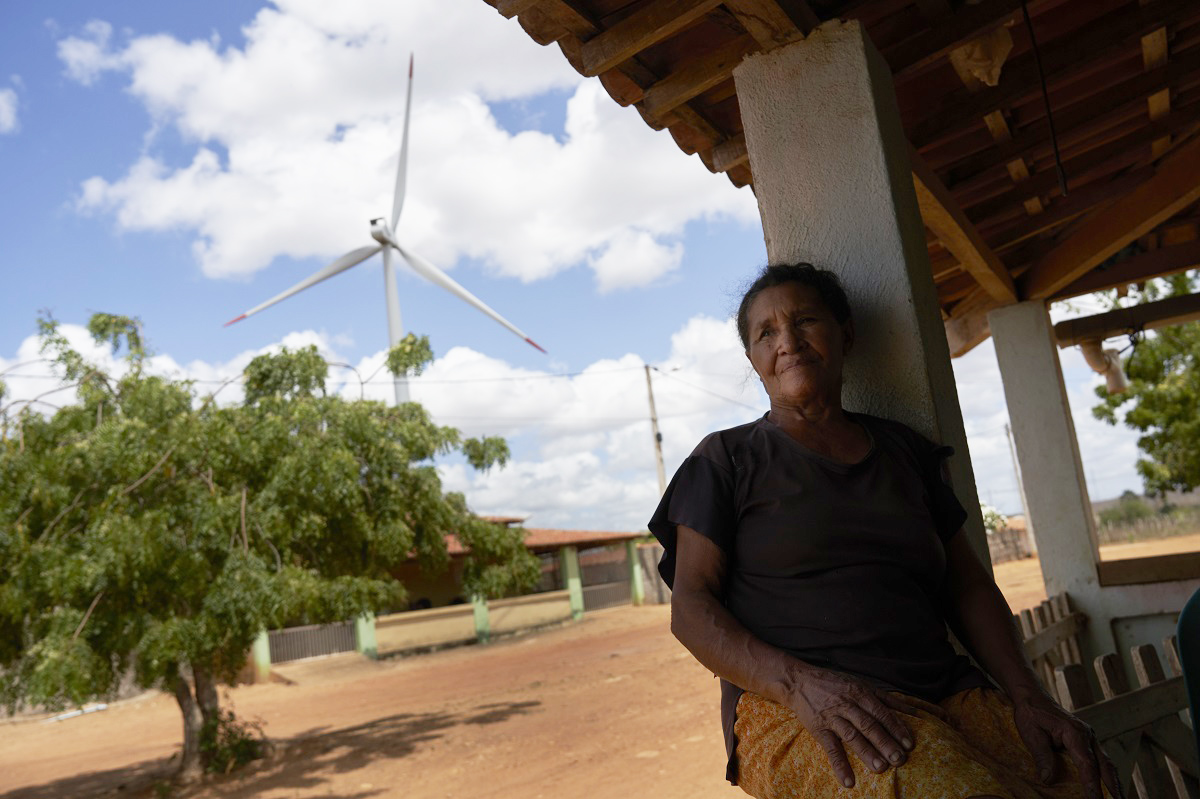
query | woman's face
(796,345)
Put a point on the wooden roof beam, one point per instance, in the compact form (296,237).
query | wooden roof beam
(965,333)
(913,56)
(1175,185)
(1083,113)
(1148,316)
(1156,263)
(697,76)
(1061,57)
(1154,54)
(730,153)
(647,26)
(769,24)
(946,219)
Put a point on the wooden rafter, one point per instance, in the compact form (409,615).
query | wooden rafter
(1093,40)
(1148,316)
(965,333)
(645,27)
(770,26)
(697,76)
(1079,115)
(946,219)
(1154,54)
(1156,263)
(1175,185)
(912,57)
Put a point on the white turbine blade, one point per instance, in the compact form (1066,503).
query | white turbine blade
(340,265)
(402,167)
(440,278)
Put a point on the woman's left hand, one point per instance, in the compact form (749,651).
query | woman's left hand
(1045,727)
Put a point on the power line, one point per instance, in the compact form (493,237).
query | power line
(706,391)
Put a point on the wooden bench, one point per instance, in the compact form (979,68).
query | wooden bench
(1147,730)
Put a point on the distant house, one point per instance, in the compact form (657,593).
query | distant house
(602,560)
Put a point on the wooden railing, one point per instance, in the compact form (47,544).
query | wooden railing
(1051,632)
(1147,731)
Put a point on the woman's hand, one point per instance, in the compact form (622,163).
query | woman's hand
(839,711)
(1044,727)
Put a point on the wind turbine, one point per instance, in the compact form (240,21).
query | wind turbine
(382,232)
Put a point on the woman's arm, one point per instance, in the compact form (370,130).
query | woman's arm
(980,617)
(834,707)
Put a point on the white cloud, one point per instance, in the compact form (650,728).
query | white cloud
(295,136)
(8,111)
(634,258)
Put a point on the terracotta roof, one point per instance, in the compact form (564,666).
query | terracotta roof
(539,540)
(1124,83)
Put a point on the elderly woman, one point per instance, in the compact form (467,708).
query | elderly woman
(816,557)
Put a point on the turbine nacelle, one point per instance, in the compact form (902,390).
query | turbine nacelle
(381,232)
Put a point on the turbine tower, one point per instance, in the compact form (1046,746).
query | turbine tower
(383,232)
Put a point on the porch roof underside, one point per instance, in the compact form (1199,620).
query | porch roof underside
(1124,86)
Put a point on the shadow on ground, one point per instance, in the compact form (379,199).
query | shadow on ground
(298,763)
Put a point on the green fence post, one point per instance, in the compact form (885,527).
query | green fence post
(569,564)
(364,635)
(637,592)
(260,657)
(483,629)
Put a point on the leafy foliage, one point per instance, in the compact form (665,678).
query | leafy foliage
(484,453)
(148,530)
(993,520)
(1130,508)
(1163,398)
(228,743)
(410,355)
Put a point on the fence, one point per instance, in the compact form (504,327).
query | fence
(314,640)
(1005,545)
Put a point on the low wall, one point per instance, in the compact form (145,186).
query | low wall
(523,612)
(415,629)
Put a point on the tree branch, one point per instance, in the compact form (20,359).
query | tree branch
(146,476)
(87,616)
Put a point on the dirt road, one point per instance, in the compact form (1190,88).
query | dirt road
(609,708)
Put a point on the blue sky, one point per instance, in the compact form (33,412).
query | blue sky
(183,162)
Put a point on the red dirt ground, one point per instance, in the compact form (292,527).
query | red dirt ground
(609,708)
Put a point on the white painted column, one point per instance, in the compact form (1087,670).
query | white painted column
(834,187)
(1056,493)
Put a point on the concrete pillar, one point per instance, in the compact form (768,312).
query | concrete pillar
(834,187)
(260,657)
(568,564)
(483,627)
(1056,493)
(364,635)
(637,589)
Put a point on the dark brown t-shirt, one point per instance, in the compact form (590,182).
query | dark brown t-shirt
(840,565)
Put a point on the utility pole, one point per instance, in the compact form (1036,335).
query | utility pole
(662,472)
(1012,450)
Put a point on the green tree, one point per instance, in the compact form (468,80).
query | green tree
(1163,398)
(1130,508)
(147,530)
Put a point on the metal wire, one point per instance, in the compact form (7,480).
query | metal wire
(1037,57)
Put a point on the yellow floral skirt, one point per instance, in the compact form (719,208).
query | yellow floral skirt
(976,751)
